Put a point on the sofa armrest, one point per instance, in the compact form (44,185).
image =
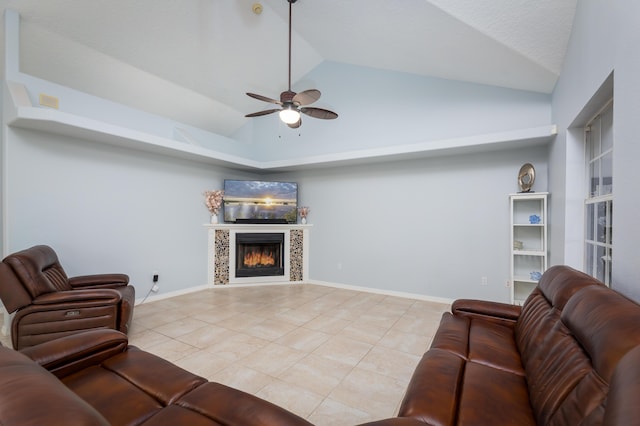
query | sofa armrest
(99,280)
(75,352)
(103,295)
(502,313)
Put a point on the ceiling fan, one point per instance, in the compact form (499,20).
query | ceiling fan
(292,103)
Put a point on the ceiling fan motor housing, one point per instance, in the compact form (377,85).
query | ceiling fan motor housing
(287,96)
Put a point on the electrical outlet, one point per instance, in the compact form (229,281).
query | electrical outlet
(507,284)
(483,281)
(155,276)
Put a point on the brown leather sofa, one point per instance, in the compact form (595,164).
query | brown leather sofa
(50,305)
(95,378)
(569,356)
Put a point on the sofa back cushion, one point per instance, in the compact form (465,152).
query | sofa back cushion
(39,270)
(13,294)
(541,312)
(31,395)
(572,333)
(622,401)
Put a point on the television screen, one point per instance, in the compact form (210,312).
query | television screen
(251,201)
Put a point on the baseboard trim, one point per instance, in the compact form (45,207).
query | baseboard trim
(394,293)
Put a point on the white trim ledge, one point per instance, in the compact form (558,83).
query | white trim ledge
(67,124)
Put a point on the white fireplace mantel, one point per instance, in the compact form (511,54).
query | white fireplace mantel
(221,252)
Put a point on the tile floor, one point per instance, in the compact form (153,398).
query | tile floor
(332,356)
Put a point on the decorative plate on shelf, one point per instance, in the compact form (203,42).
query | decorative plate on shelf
(526,177)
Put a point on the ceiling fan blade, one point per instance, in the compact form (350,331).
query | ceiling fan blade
(265,112)
(321,113)
(264,98)
(307,97)
(296,124)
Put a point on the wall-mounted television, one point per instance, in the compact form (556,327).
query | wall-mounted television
(253,201)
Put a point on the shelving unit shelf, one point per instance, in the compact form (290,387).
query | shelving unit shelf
(529,252)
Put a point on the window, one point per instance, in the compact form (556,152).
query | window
(599,199)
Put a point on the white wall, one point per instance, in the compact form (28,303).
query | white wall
(605,40)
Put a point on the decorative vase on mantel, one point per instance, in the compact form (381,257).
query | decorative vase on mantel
(214,218)
(303,212)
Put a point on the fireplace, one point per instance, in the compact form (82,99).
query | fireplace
(221,264)
(259,254)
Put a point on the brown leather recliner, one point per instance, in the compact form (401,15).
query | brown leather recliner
(49,305)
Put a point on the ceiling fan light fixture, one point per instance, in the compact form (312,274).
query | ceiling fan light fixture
(289,115)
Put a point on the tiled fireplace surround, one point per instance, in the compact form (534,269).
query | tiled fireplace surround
(221,253)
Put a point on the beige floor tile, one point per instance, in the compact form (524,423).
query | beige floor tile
(206,336)
(303,339)
(332,413)
(392,363)
(294,398)
(172,350)
(147,338)
(364,331)
(417,325)
(236,346)
(242,378)
(241,321)
(342,349)
(204,363)
(156,319)
(296,316)
(271,329)
(180,327)
(273,359)
(374,393)
(327,324)
(316,373)
(410,343)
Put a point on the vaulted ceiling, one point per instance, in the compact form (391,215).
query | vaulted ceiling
(193,60)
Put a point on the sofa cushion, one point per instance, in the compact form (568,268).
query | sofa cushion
(220,403)
(32,395)
(123,390)
(471,374)
(136,387)
(491,396)
(479,341)
(432,394)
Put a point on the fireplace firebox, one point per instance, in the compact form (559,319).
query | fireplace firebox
(259,254)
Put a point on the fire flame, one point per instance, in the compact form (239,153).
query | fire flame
(259,258)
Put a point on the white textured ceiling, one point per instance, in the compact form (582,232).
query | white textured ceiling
(193,60)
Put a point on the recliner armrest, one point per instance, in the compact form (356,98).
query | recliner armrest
(502,313)
(75,352)
(103,295)
(99,280)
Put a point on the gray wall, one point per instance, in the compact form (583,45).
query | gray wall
(605,40)
(110,209)
(429,226)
